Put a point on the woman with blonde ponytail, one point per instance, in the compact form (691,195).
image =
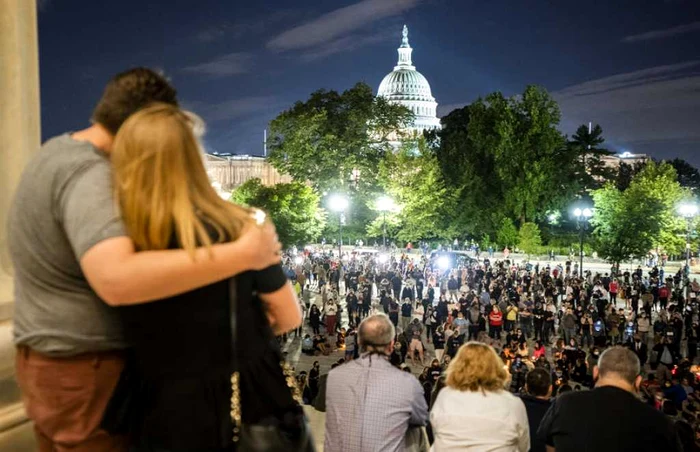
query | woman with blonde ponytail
(182,345)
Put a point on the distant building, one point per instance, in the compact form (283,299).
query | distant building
(614,161)
(229,172)
(408,87)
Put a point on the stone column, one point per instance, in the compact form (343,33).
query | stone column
(20,133)
(19,138)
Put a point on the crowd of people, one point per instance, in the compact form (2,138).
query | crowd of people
(541,319)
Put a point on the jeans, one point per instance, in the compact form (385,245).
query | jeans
(568,334)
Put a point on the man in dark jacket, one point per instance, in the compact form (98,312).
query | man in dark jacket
(538,390)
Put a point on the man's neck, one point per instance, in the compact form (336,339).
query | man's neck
(96,135)
(616,383)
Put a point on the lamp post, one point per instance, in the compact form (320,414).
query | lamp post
(688,211)
(385,204)
(582,217)
(339,203)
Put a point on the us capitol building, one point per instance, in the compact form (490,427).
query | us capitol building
(404,86)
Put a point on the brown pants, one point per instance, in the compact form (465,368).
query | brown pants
(66,399)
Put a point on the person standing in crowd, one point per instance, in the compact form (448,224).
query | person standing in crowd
(330,312)
(474,412)
(73,266)
(538,391)
(392,400)
(571,421)
(315,319)
(406,314)
(495,323)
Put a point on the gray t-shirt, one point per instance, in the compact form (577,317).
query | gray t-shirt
(63,206)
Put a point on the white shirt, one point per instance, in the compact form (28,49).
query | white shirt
(479,421)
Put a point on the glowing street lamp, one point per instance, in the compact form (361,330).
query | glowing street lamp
(339,203)
(582,218)
(385,204)
(688,211)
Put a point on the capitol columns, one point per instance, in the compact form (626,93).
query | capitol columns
(20,134)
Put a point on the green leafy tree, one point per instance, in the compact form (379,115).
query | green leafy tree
(324,139)
(507,234)
(293,207)
(529,238)
(412,177)
(504,157)
(630,223)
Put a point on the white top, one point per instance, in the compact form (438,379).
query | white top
(479,422)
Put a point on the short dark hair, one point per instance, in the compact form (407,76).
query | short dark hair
(129,92)
(538,381)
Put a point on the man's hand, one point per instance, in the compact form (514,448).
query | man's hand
(262,246)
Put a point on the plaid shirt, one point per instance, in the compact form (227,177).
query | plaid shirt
(369,406)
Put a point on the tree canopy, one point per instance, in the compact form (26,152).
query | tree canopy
(325,138)
(629,223)
(412,177)
(293,207)
(505,157)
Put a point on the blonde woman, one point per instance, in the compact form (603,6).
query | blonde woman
(182,345)
(474,412)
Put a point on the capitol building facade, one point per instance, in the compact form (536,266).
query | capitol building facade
(408,87)
(404,86)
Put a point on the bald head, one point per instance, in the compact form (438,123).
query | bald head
(376,334)
(619,362)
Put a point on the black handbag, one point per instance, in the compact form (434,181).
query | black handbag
(289,434)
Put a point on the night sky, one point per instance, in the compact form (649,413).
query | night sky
(632,66)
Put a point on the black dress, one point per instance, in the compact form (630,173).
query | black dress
(182,352)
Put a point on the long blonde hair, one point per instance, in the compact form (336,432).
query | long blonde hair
(161,185)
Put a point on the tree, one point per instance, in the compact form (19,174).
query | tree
(325,138)
(586,145)
(687,175)
(504,157)
(507,234)
(412,177)
(529,239)
(630,223)
(626,172)
(293,207)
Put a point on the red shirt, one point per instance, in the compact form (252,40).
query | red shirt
(613,287)
(496,318)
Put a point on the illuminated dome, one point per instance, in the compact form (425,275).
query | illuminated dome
(406,86)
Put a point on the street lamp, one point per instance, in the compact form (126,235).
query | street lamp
(384,205)
(582,217)
(339,203)
(688,210)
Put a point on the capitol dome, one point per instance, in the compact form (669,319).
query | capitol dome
(408,87)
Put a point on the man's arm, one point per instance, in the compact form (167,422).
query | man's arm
(118,274)
(122,276)
(419,408)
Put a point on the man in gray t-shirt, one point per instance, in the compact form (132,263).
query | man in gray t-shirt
(73,262)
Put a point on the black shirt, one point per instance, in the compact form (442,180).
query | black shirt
(606,419)
(536,409)
(182,350)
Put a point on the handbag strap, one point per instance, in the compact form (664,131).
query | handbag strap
(235,375)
